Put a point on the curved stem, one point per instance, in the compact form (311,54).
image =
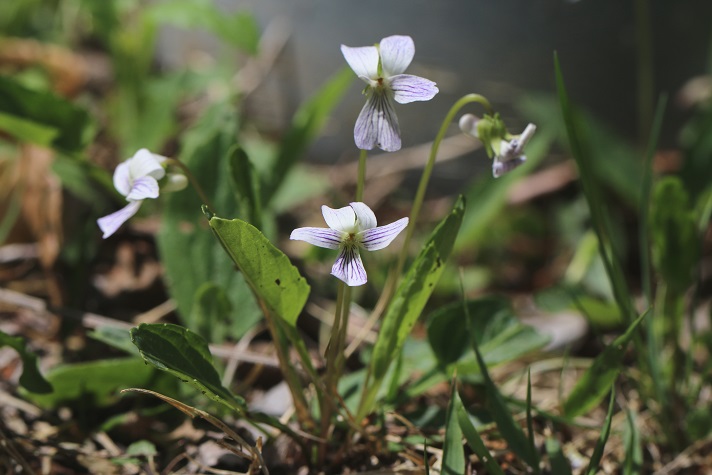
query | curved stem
(194,183)
(425,177)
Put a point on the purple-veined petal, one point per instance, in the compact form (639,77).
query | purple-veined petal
(499,168)
(377,124)
(142,188)
(342,219)
(145,163)
(396,54)
(109,224)
(349,267)
(322,237)
(408,88)
(363,60)
(380,237)
(365,219)
(122,178)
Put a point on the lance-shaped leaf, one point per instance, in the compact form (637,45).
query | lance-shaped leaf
(453,451)
(474,440)
(267,269)
(599,378)
(42,117)
(410,299)
(593,464)
(184,354)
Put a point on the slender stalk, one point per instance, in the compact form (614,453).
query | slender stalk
(290,375)
(361,181)
(194,183)
(428,170)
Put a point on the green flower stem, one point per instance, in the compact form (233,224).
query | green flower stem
(425,178)
(194,183)
(361,182)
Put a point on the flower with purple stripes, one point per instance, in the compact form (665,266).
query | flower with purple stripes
(506,149)
(350,228)
(136,179)
(381,67)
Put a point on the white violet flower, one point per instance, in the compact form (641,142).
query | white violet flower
(508,150)
(350,228)
(136,179)
(382,67)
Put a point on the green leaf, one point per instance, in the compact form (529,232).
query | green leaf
(593,190)
(31,378)
(118,338)
(189,252)
(502,416)
(27,130)
(183,354)
(645,189)
(491,321)
(268,271)
(98,382)
(246,185)
(410,299)
(453,451)
(238,29)
(42,117)
(307,123)
(633,463)
(599,378)
(673,229)
(559,463)
(593,464)
(211,305)
(474,440)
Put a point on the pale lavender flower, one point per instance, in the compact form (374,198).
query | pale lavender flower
(136,179)
(511,152)
(382,67)
(506,150)
(350,228)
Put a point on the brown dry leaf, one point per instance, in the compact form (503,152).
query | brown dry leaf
(67,70)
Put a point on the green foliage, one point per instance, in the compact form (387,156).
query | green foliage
(190,255)
(239,29)
(673,229)
(491,322)
(453,451)
(474,440)
(410,298)
(96,382)
(183,354)
(41,117)
(559,463)
(633,463)
(599,378)
(246,183)
(593,464)
(500,412)
(593,189)
(268,271)
(31,378)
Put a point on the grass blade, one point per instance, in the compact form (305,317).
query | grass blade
(473,437)
(599,378)
(633,448)
(599,215)
(558,461)
(593,464)
(508,427)
(453,451)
